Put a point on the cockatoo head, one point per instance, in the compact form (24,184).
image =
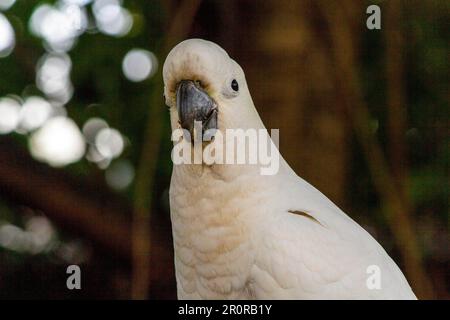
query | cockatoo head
(202,83)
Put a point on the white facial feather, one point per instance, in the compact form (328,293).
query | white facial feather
(238,234)
(204,61)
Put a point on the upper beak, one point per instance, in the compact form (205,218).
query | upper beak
(194,104)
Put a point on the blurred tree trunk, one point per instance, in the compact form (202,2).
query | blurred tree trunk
(396,106)
(179,26)
(397,124)
(343,20)
(293,91)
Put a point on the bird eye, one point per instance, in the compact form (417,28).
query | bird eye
(235,85)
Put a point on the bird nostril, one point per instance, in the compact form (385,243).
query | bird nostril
(198,84)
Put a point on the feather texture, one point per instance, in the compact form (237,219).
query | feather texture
(240,235)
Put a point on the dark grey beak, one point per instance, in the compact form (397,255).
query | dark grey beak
(195,105)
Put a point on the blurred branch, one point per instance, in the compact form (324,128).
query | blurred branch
(395,93)
(178,29)
(394,207)
(83,209)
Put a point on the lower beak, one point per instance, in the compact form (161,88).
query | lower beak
(196,109)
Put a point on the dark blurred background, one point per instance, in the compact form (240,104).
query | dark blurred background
(84,135)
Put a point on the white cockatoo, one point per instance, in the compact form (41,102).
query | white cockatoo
(241,234)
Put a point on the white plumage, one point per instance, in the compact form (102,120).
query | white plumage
(240,234)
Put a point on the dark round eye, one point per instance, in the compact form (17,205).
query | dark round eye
(234,85)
